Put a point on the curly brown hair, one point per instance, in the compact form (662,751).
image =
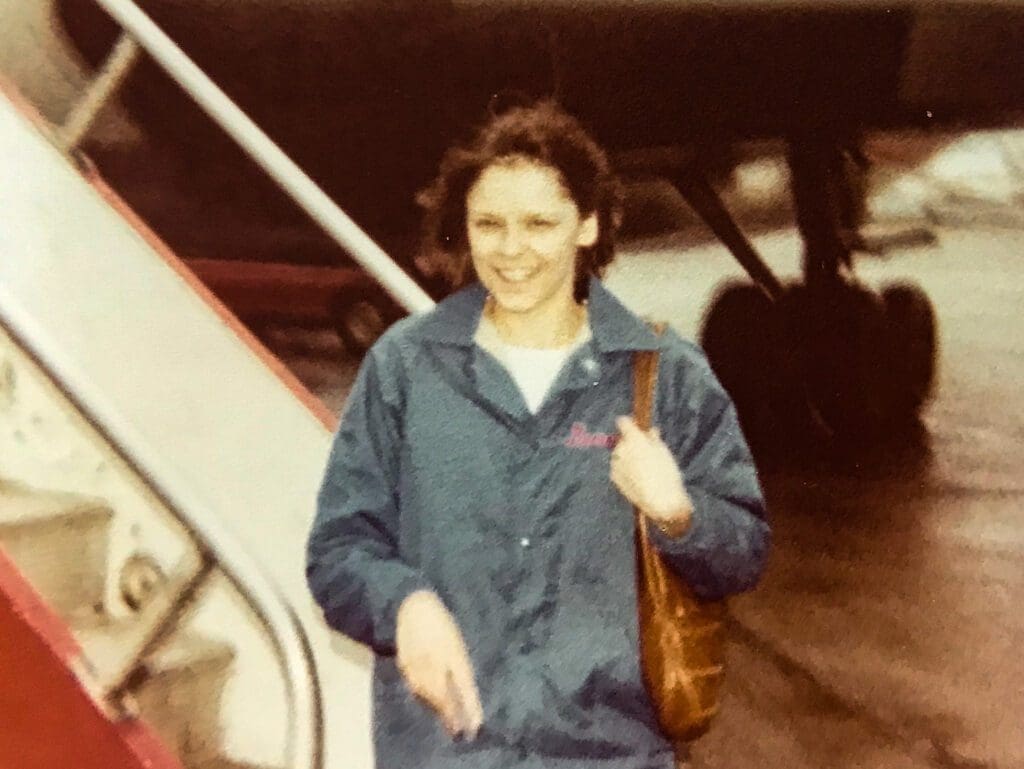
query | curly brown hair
(547,134)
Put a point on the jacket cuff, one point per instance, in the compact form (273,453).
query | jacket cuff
(695,537)
(387,618)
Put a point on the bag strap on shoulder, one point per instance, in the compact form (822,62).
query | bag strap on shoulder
(645,375)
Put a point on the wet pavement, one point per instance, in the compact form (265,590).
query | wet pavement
(887,631)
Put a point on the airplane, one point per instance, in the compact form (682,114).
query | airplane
(367,95)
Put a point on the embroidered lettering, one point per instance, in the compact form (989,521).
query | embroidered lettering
(581,438)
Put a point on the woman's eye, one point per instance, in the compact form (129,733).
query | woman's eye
(485,224)
(541,224)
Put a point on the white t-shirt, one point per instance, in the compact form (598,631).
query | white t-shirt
(533,370)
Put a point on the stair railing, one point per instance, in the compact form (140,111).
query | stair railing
(214,546)
(138,27)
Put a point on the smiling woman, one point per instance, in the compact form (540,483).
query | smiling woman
(524,234)
(541,146)
(475,523)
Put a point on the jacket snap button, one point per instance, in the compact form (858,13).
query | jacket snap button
(525,542)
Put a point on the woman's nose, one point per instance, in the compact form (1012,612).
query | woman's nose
(512,242)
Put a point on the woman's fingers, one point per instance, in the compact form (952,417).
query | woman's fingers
(628,428)
(459,706)
(446,684)
(432,656)
(434,687)
(617,478)
(464,682)
(644,470)
(451,708)
(632,439)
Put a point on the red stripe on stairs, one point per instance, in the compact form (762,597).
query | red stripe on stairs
(47,719)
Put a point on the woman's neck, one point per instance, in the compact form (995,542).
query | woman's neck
(543,327)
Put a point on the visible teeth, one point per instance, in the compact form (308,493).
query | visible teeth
(515,276)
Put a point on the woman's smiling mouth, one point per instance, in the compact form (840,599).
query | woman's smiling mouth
(517,275)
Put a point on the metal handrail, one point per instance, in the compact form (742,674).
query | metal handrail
(292,179)
(113,73)
(305,733)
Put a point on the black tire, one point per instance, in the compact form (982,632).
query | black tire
(913,348)
(742,340)
(836,334)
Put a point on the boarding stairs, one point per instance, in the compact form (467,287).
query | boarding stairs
(158,471)
(131,637)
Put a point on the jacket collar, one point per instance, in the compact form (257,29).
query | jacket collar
(455,319)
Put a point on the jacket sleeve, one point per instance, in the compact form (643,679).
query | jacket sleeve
(725,549)
(353,565)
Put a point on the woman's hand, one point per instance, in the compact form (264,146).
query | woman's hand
(644,470)
(432,656)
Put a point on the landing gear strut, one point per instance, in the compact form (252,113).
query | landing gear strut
(826,355)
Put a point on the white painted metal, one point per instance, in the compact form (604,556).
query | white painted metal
(102,87)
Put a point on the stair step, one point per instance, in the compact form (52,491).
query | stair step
(181,695)
(59,542)
(105,640)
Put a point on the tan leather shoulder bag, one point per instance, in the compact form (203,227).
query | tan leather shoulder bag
(682,639)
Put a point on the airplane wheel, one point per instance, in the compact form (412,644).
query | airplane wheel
(913,348)
(836,335)
(741,337)
(841,364)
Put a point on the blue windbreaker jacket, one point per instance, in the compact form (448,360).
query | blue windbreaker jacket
(440,478)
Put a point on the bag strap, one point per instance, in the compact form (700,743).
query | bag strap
(645,377)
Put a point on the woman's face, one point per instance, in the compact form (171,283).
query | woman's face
(524,231)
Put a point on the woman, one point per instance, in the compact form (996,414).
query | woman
(475,523)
